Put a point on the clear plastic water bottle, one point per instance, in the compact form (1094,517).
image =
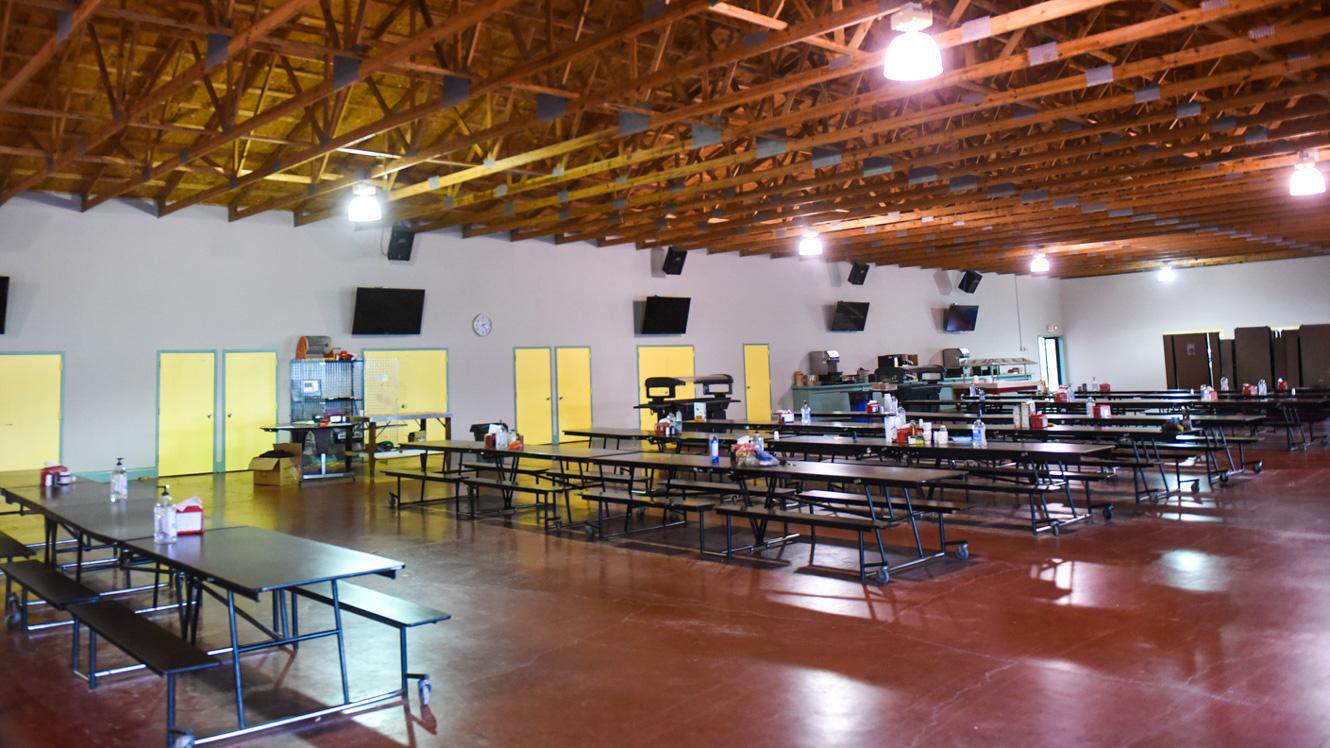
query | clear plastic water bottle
(983,430)
(119,481)
(805,414)
(163,519)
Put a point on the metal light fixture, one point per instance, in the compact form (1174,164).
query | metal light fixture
(1039,263)
(912,55)
(811,244)
(1166,274)
(1307,179)
(364,207)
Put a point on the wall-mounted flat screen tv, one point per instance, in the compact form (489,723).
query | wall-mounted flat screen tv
(665,315)
(388,311)
(960,318)
(850,316)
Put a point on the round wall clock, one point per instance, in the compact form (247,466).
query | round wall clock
(482,325)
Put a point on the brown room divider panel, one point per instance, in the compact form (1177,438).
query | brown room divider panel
(1191,359)
(1251,356)
(1314,344)
(1170,369)
(1286,357)
(1226,362)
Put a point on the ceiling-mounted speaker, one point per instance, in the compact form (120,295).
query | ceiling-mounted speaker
(969,281)
(673,264)
(858,273)
(399,243)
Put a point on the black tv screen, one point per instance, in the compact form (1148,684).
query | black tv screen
(850,316)
(665,315)
(4,300)
(388,311)
(961,318)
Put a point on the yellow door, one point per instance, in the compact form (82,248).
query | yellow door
(662,361)
(422,377)
(186,398)
(573,376)
(29,410)
(250,400)
(531,382)
(757,382)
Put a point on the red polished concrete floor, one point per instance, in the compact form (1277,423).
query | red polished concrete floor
(1203,622)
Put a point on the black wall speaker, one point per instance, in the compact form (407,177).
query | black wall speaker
(399,244)
(674,258)
(969,281)
(858,273)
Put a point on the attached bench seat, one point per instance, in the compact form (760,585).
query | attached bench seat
(453,477)
(1040,518)
(689,486)
(914,508)
(1084,477)
(760,518)
(43,582)
(507,489)
(11,548)
(640,503)
(160,650)
(383,608)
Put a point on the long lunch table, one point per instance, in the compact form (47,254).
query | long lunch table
(1040,457)
(618,435)
(883,478)
(251,562)
(372,425)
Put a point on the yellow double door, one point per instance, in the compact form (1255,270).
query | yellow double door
(422,387)
(545,391)
(186,409)
(677,361)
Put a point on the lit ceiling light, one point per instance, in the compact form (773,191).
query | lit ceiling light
(912,55)
(811,244)
(1307,179)
(1166,274)
(1039,263)
(364,207)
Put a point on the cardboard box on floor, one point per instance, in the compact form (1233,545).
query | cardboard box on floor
(278,471)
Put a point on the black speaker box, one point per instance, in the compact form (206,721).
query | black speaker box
(674,258)
(969,281)
(399,244)
(858,273)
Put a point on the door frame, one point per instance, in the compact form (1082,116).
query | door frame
(1062,356)
(554,376)
(60,449)
(277,390)
(157,422)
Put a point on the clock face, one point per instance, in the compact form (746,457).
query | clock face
(482,325)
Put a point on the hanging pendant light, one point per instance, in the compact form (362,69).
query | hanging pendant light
(1306,179)
(1166,274)
(1039,263)
(811,244)
(912,55)
(364,207)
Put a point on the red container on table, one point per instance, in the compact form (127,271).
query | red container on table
(1038,420)
(1103,411)
(1061,396)
(1249,389)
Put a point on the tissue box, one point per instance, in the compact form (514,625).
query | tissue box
(1103,411)
(189,516)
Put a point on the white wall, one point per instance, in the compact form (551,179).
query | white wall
(112,287)
(1115,324)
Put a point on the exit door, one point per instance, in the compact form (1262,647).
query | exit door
(249,397)
(30,424)
(186,400)
(757,381)
(533,394)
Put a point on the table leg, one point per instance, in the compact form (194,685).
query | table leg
(371,447)
(235,657)
(341,644)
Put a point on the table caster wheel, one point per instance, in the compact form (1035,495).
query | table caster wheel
(11,602)
(392,500)
(590,532)
(880,576)
(963,551)
(12,620)
(640,514)
(183,740)
(1057,530)
(674,517)
(1257,468)
(1154,498)
(424,688)
(1223,477)
(1108,512)
(1196,487)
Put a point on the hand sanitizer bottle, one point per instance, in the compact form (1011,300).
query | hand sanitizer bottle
(713,447)
(119,481)
(805,414)
(163,519)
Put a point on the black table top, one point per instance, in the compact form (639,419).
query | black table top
(577,452)
(311,426)
(610,433)
(663,461)
(251,560)
(54,499)
(1027,451)
(117,522)
(878,475)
